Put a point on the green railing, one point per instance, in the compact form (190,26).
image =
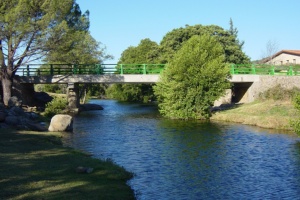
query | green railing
(85,69)
(260,69)
(100,69)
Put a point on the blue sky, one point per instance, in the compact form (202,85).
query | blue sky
(119,24)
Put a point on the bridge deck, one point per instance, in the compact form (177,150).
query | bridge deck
(114,78)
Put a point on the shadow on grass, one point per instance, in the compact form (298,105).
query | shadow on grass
(223,107)
(36,166)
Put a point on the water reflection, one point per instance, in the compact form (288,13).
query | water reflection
(190,159)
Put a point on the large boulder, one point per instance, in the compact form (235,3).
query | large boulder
(16,111)
(12,120)
(61,123)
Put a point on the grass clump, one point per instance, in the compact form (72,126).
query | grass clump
(36,166)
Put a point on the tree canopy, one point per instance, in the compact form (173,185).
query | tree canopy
(149,52)
(195,77)
(34,29)
(232,47)
(30,29)
(145,52)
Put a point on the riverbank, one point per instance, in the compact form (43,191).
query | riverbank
(35,165)
(266,114)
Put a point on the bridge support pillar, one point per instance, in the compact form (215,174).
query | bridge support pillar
(72,96)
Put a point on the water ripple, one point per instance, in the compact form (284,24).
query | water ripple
(189,159)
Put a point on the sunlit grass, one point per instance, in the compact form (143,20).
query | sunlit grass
(266,114)
(36,166)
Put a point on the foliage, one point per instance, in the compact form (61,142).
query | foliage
(145,52)
(193,80)
(131,92)
(279,93)
(79,47)
(31,29)
(97,90)
(232,47)
(54,88)
(149,52)
(56,106)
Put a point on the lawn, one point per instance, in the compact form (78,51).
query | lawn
(36,166)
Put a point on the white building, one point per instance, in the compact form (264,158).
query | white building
(285,57)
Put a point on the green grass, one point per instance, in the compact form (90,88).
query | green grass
(266,114)
(37,166)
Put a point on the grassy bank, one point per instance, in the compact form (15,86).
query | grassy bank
(37,166)
(266,114)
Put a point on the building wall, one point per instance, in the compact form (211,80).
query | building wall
(285,59)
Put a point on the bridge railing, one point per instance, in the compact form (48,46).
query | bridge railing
(140,68)
(262,69)
(85,69)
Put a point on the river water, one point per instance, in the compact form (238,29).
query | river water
(174,159)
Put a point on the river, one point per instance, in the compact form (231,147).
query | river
(174,159)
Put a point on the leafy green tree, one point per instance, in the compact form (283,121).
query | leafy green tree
(195,77)
(174,40)
(145,52)
(29,29)
(78,47)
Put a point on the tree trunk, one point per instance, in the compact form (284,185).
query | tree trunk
(7,87)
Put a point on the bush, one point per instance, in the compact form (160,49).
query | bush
(131,92)
(57,106)
(54,88)
(194,79)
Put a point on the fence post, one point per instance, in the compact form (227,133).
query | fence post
(28,72)
(290,71)
(98,68)
(253,69)
(144,68)
(75,68)
(272,71)
(232,69)
(51,70)
(121,69)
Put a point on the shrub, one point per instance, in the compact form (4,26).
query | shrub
(194,79)
(56,106)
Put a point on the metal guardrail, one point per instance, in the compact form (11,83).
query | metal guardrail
(85,69)
(257,69)
(100,69)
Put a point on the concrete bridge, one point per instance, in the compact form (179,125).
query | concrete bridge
(248,81)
